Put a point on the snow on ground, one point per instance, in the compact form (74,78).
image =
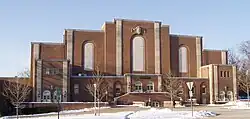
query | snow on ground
(151,113)
(223,105)
(154,113)
(238,105)
(61,112)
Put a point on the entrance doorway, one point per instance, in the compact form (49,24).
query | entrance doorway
(203,93)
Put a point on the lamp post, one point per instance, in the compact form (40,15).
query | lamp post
(51,93)
(106,93)
(17,103)
(247,88)
(95,99)
(58,90)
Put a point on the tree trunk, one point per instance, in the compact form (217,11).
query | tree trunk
(17,112)
(98,107)
(171,98)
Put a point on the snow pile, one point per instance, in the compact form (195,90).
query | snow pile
(204,113)
(230,103)
(141,106)
(239,105)
(152,113)
(221,105)
(81,110)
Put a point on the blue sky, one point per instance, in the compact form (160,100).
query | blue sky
(222,23)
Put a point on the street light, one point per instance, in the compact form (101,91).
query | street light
(247,88)
(106,93)
(95,99)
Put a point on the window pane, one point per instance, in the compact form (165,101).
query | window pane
(138,54)
(76,88)
(138,86)
(88,56)
(183,59)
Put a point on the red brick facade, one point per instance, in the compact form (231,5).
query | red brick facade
(59,64)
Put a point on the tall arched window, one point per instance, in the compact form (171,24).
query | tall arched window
(183,68)
(138,54)
(89,56)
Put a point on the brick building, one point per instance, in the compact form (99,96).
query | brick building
(132,55)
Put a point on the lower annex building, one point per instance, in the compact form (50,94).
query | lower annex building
(132,55)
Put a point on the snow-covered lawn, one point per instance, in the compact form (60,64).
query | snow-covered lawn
(237,105)
(151,113)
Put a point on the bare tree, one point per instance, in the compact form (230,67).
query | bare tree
(243,81)
(172,86)
(97,86)
(233,58)
(17,90)
(241,61)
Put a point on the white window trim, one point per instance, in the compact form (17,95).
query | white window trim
(151,83)
(47,95)
(137,84)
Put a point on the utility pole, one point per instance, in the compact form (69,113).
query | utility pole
(17,84)
(95,100)
(58,101)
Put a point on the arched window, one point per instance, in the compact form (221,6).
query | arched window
(138,54)
(203,89)
(117,88)
(56,97)
(183,68)
(222,96)
(88,56)
(194,90)
(150,86)
(229,95)
(138,86)
(46,96)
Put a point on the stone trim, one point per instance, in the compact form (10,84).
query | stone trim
(234,83)
(70,45)
(216,82)
(118,47)
(38,80)
(180,35)
(36,51)
(198,55)
(128,78)
(215,50)
(223,57)
(36,55)
(65,81)
(157,48)
(159,83)
(210,75)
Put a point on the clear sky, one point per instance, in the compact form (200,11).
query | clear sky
(222,23)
